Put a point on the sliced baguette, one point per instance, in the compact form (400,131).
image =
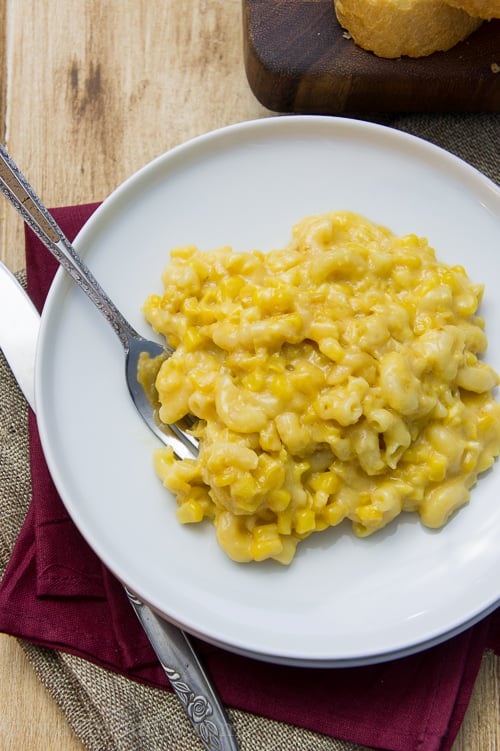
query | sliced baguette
(392,28)
(486,9)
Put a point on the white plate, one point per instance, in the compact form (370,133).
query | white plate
(343,601)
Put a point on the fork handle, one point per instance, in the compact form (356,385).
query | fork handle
(22,196)
(187,678)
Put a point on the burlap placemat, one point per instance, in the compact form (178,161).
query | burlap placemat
(475,138)
(109,712)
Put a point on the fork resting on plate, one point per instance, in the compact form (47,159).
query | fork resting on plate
(171,645)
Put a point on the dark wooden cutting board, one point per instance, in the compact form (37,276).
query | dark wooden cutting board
(298,59)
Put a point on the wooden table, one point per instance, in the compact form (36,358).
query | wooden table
(90,91)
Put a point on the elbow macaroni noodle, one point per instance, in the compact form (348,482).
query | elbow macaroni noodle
(337,378)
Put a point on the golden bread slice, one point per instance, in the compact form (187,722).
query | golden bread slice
(392,28)
(486,9)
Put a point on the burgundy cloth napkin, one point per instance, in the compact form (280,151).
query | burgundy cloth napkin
(56,593)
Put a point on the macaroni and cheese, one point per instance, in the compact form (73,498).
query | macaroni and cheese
(337,378)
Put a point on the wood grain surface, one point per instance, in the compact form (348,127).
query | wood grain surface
(90,91)
(299,59)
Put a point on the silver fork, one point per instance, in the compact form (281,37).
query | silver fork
(172,646)
(22,196)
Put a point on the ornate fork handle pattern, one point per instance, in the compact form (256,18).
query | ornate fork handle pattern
(198,709)
(202,706)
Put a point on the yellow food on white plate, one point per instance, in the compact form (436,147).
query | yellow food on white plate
(339,378)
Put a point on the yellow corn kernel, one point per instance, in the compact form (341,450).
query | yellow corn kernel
(449,277)
(210,298)
(307,378)
(430,282)
(369,514)
(279,500)
(269,438)
(183,251)
(266,542)
(320,524)
(226,477)
(192,338)
(190,512)
(229,287)
(319,501)
(280,386)
(270,473)
(305,521)
(332,349)
(414,475)
(418,453)
(469,459)
(284,521)
(466,304)
(325,482)
(255,380)
(243,263)
(244,488)
(486,422)
(323,327)
(273,300)
(197,312)
(409,241)
(436,467)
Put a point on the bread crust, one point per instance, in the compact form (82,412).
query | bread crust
(486,9)
(416,28)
